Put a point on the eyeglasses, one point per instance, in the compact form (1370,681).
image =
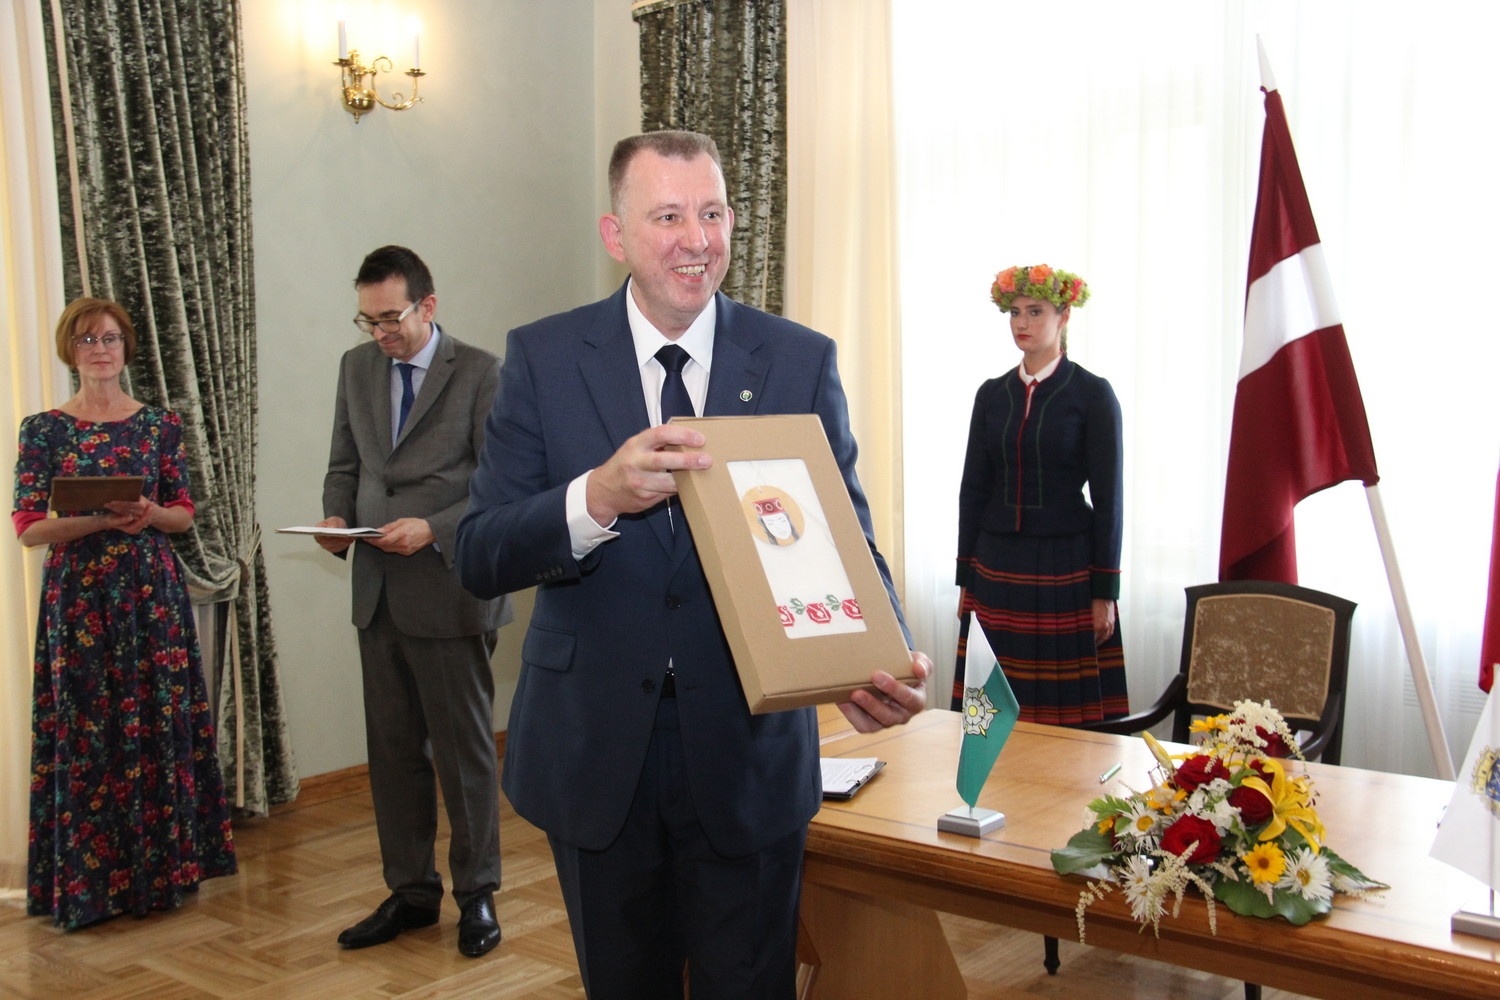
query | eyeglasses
(109,340)
(386,325)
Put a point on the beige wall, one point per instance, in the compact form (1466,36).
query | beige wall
(496,179)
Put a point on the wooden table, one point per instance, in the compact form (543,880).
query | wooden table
(877,871)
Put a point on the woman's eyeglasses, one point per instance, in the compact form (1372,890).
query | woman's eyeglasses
(109,340)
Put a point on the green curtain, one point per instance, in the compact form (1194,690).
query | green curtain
(154,180)
(719,67)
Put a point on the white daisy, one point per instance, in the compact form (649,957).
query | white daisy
(1307,875)
(1142,823)
(1143,897)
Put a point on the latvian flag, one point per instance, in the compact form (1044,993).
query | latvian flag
(1489,647)
(1299,420)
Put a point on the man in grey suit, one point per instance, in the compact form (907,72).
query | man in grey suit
(407,430)
(676,818)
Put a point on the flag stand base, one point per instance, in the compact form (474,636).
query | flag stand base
(973,822)
(1485,925)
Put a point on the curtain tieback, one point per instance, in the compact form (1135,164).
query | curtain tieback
(246,559)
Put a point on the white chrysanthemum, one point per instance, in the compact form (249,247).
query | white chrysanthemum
(1143,897)
(1222,815)
(1210,801)
(1307,875)
(1218,788)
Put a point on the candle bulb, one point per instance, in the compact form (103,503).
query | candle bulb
(416,51)
(343,42)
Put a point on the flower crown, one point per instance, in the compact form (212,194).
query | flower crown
(1039,281)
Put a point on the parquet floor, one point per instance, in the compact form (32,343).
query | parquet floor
(312,869)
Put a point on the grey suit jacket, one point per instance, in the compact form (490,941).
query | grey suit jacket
(603,630)
(425,474)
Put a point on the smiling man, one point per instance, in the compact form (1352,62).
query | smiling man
(408,426)
(676,818)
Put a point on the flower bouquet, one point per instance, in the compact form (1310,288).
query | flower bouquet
(1231,819)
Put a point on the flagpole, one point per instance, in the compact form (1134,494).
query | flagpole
(1364,467)
(1419,676)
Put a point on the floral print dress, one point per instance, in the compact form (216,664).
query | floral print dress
(127,803)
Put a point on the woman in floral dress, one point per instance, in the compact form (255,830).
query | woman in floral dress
(127,804)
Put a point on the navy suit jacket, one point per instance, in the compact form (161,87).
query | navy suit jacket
(603,630)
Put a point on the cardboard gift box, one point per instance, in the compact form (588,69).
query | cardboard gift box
(804,608)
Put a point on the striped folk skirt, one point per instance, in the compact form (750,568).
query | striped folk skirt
(1033,600)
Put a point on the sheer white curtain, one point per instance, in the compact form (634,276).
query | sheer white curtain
(33,379)
(1122,142)
(841,236)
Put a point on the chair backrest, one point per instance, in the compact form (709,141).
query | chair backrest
(1266,641)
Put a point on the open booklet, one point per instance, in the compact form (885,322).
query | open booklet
(345,532)
(843,776)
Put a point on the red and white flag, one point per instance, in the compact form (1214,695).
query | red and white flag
(1299,419)
(1489,648)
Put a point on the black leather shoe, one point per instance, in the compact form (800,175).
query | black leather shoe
(389,919)
(478,931)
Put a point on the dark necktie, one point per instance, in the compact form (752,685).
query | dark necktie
(407,394)
(675,401)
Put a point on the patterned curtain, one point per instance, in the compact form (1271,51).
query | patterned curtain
(154,183)
(719,67)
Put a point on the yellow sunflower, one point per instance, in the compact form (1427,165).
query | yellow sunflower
(1265,862)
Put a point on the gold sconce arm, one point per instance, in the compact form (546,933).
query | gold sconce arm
(357,80)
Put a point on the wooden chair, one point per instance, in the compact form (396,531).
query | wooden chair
(1257,640)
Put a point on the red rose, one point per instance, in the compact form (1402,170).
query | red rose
(1253,805)
(851,608)
(1199,770)
(787,618)
(818,612)
(1186,831)
(1275,745)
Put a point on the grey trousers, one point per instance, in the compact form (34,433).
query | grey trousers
(429,707)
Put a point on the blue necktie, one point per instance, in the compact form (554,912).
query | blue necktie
(675,401)
(407,394)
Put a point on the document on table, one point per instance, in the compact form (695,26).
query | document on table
(843,776)
(345,532)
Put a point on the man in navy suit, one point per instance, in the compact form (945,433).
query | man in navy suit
(407,430)
(676,818)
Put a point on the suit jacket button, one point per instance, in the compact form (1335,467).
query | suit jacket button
(390,492)
(648,686)
(673,603)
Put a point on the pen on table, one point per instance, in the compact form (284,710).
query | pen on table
(1110,773)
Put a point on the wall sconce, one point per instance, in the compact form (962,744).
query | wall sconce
(357,79)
